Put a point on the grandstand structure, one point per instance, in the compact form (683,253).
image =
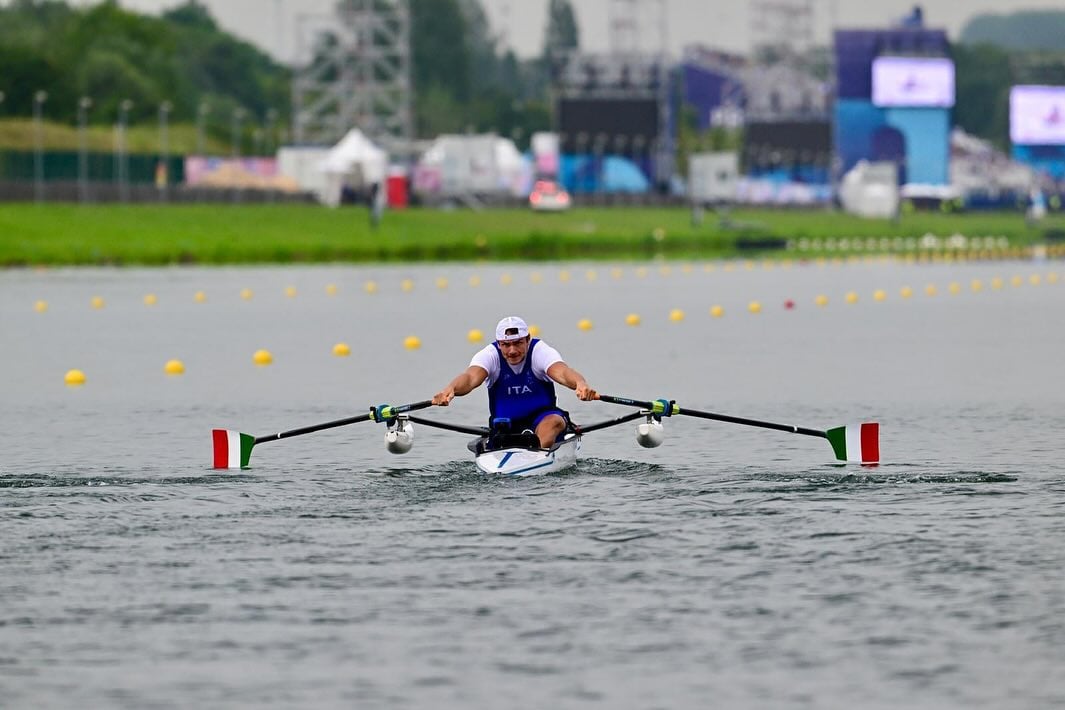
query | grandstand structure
(617,103)
(358,74)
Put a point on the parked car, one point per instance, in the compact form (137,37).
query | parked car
(548,196)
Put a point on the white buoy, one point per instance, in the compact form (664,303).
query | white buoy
(650,434)
(400,437)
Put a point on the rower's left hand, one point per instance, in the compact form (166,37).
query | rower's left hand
(586,393)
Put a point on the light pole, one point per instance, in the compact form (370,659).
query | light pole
(38,148)
(162,175)
(84,104)
(201,120)
(271,130)
(238,116)
(123,161)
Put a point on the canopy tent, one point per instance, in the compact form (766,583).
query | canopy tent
(355,162)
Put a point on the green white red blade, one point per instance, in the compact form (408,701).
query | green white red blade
(859,443)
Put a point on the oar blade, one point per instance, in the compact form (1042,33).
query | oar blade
(232,449)
(858,443)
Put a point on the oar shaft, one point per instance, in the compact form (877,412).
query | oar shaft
(658,407)
(342,422)
(753,422)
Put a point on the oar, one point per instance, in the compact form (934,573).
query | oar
(232,449)
(859,443)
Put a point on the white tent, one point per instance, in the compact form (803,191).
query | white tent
(355,162)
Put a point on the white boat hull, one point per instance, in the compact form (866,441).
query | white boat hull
(518,461)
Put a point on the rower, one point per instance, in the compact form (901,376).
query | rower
(521,372)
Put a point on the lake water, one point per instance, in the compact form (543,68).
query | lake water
(732,567)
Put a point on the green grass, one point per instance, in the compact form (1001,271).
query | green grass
(246,234)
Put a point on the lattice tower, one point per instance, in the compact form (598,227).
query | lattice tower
(359,76)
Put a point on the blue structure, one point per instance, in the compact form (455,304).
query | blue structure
(1047,159)
(916,138)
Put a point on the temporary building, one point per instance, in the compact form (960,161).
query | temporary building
(355,163)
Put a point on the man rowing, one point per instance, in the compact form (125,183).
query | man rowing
(521,371)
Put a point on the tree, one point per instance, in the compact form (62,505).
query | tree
(562,33)
(982,91)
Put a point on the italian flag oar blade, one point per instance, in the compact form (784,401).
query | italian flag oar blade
(858,442)
(231,448)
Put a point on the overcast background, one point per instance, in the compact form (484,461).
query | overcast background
(278,25)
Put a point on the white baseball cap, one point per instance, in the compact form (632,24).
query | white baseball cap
(511,328)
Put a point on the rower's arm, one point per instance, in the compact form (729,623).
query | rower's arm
(563,374)
(463,384)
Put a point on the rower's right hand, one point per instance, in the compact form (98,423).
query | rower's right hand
(444,397)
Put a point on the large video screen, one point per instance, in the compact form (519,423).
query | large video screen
(1037,115)
(582,122)
(913,81)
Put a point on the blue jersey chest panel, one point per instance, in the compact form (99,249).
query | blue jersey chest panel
(517,395)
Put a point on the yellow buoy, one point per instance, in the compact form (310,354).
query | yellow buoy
(246,294)
(536,277)
(341,350)
(641,272)
(591,275)
(584,324)
(40,306)
(906,292)
(74,378)
(954,287)
(997,283)
(821,300)
(290,291)
(370,287)
(754,307)
(174,367)
(632,319)
(412,342)
(262,357)
(931,290)
(1052,277)
(475,281)
(616,273)
(717,311)
(407,285)
(1017,281)
(506,279)
(441,283)
(563,275)
(676,315)
(1034,279)
(474,336)
(977,285)
(665,270)
(534,330)
(199,297)
(97,302)
(851,297)
(150,299)
(330,289)
(879,295)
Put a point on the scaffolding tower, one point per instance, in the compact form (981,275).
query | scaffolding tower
(786,26)
(358,75)
(632,20)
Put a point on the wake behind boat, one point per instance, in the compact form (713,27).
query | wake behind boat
(521,455)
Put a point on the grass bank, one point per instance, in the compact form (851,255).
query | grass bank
(257,234)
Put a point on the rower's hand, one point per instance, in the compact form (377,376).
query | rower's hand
(586,393)
(444,397)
